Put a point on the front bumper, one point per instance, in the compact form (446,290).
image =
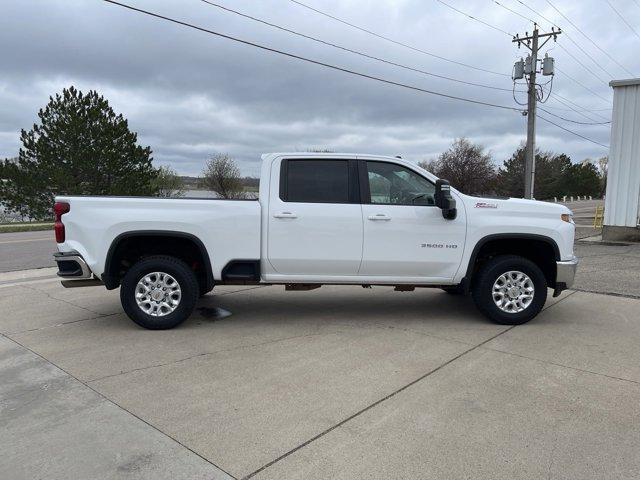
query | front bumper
(565,274)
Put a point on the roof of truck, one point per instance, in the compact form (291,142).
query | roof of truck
(302,155)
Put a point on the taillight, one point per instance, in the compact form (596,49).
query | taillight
(59,209)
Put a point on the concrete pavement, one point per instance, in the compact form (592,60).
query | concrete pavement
(339,382)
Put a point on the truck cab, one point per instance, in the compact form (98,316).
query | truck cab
(321,218)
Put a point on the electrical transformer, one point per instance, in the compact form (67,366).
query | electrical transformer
(518,70)
(547,65)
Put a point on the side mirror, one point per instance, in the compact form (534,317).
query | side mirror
(444,200)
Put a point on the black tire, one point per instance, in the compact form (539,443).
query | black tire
(183,275)
(454,290)
(482,291)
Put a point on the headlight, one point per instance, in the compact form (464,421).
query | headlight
(567,217)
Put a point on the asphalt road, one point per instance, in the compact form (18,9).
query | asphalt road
(24,250)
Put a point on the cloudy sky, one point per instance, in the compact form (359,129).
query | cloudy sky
(189,94)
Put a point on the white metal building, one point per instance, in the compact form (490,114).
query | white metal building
(622,204)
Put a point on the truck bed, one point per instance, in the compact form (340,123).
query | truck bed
(93,223)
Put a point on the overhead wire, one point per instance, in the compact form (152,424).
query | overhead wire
(583,34)
(529,19)
(474,18)
(394,41)
(624,20)
(492,26)
(572,132)
(333,67)
(578,82)
(350,50)
(309,60)
(573,106)
(573,121)
(568,37)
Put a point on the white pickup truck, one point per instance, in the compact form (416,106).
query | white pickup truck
(319,219)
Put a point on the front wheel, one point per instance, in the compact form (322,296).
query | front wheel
(510,290)
(159,292)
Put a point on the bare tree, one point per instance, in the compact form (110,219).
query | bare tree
(168,184)
(222,175)
(466,166)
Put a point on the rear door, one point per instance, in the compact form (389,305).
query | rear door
(315,218)
(405,234)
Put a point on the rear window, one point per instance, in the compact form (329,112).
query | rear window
(315,181)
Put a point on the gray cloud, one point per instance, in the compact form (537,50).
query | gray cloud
(189,94)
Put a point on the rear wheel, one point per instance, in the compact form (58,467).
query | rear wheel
(159,292)
(510,290)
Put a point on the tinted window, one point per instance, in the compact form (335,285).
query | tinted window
(393,184)
(317,181)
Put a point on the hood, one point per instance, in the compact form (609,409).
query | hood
(513,205)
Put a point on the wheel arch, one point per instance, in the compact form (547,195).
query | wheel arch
(518,244)
(112,277)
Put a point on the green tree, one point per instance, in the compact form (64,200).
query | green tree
(167,183)
(549,178)
(79,147)
(582,179)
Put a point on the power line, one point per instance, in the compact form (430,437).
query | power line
(565,33)
(309,60)
(494,27)
(396,42)
(562,72)
(513,11)
(333,67)
(573,121)
(581,64)
(355,52)
(583,110)
(474,18)
(585,36)
(576,107)
(572,132)
(623,19)
(578,46)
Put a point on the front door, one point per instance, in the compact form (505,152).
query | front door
(315,218)
(405,234)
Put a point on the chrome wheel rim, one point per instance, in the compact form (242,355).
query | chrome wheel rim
(158,294)
(513,292)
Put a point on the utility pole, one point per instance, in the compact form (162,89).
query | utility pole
(529,68)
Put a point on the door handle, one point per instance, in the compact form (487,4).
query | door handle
(285,215)
(379,216)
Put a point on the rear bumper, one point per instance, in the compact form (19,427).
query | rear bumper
(74,271)
(565,275)
(71,266)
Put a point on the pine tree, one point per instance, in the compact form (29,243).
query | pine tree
(79,147)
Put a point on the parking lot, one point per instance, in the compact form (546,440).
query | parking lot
(339,382)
